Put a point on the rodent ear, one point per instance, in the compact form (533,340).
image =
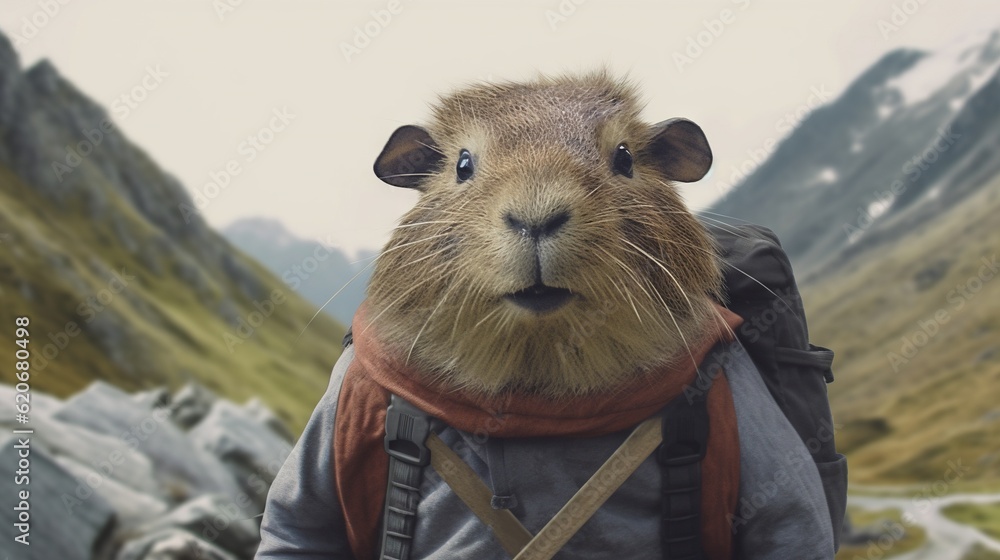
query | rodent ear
(679,149)
(407,158)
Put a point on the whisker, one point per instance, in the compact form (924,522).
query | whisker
(461,306)
(395,301)
(408,243)
(330,299)
(586,196)
(425,257)
(360,272)
(659,296)
(679,331)
(488,315)
(630,273)
(444,297)
(415,224)
(722,322)
(721,216)
(431,147)
(734,267)
(405,175)
(665,269)
(727,227)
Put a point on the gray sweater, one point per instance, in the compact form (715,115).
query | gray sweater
(782,512)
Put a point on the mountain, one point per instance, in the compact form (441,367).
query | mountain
(316,270)
(887,201)
(915,329)
(911,124)
(119,281)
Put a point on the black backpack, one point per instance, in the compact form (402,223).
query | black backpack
(759,287)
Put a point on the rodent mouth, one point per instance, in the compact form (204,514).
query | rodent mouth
(540,298)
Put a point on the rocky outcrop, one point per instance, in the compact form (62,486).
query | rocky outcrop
(151,475)
(78,526)
(172,543)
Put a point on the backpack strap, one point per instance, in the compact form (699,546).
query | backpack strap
(639,445)
(411,445)
(685,428)
(685,440)
(406,431)
(469,488)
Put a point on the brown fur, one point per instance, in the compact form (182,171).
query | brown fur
(641,266)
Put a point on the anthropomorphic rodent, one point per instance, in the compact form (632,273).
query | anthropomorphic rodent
(548,292)
(546,207)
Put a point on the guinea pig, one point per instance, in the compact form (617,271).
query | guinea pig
(550,250)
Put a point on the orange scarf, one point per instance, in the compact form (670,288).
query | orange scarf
(361,464)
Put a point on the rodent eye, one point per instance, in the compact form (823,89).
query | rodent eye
(464,169)
(623,160)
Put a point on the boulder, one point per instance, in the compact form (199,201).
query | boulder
(171,544)
(250,449)
(107,468)
(214,519)
(41,404)
(181,468)
(191,403)
(103,452)
(265,416)
(63,524)
(132,508)
(154,398)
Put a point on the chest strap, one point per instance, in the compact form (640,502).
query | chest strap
(592,495)
(467,485)
(681,434)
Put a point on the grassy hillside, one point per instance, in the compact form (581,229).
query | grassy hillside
(58,267)
(906,409)
(984,517)
(884,523)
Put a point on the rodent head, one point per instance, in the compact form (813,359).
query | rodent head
(549,250)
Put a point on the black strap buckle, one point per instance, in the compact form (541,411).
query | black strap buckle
(685,432)
(406,431)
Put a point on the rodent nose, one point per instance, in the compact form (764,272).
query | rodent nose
(546,227)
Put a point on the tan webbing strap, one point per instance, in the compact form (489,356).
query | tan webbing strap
(515,539)
(470,489)
(612,474)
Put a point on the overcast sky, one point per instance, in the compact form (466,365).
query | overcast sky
(344,75)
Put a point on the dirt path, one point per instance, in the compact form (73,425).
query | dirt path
(946,539)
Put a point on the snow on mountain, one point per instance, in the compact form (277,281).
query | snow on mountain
(966,64)
(911,137)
